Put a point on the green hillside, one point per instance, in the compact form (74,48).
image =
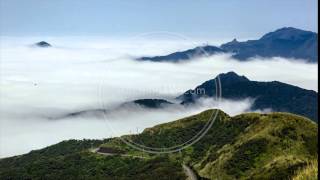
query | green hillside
(247,146)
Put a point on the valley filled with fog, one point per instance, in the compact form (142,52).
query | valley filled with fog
(39,86)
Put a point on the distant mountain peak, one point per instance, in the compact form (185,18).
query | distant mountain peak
(265,94)
(288,33)
(234,41)
(43,44)
(231,77)
(287,42)
(291,29)
(288,29)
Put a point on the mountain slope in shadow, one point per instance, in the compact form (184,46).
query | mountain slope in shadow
(274,95)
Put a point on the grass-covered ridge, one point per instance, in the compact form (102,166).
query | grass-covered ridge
(310,172)
(247,146)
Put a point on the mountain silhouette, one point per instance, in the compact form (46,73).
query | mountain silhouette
(286,42)
(273,95)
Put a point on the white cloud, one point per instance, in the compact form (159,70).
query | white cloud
(85,73)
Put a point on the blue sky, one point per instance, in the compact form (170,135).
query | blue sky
(196,18)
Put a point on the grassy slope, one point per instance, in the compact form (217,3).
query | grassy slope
(250,145)
(256,146)
(269,146)
(310,172)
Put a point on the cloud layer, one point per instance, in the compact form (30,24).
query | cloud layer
(92,73)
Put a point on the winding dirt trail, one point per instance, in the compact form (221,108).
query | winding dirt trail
(188,171)
(96,150)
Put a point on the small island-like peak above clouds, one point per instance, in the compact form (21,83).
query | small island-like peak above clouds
(42,44)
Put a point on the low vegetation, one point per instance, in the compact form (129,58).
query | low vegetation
(309,172)
(247,146)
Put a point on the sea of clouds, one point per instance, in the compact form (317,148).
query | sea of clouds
(40,84)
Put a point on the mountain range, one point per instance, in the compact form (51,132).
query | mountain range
(246,146)
(185,55)
(271,96)
(286,42)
